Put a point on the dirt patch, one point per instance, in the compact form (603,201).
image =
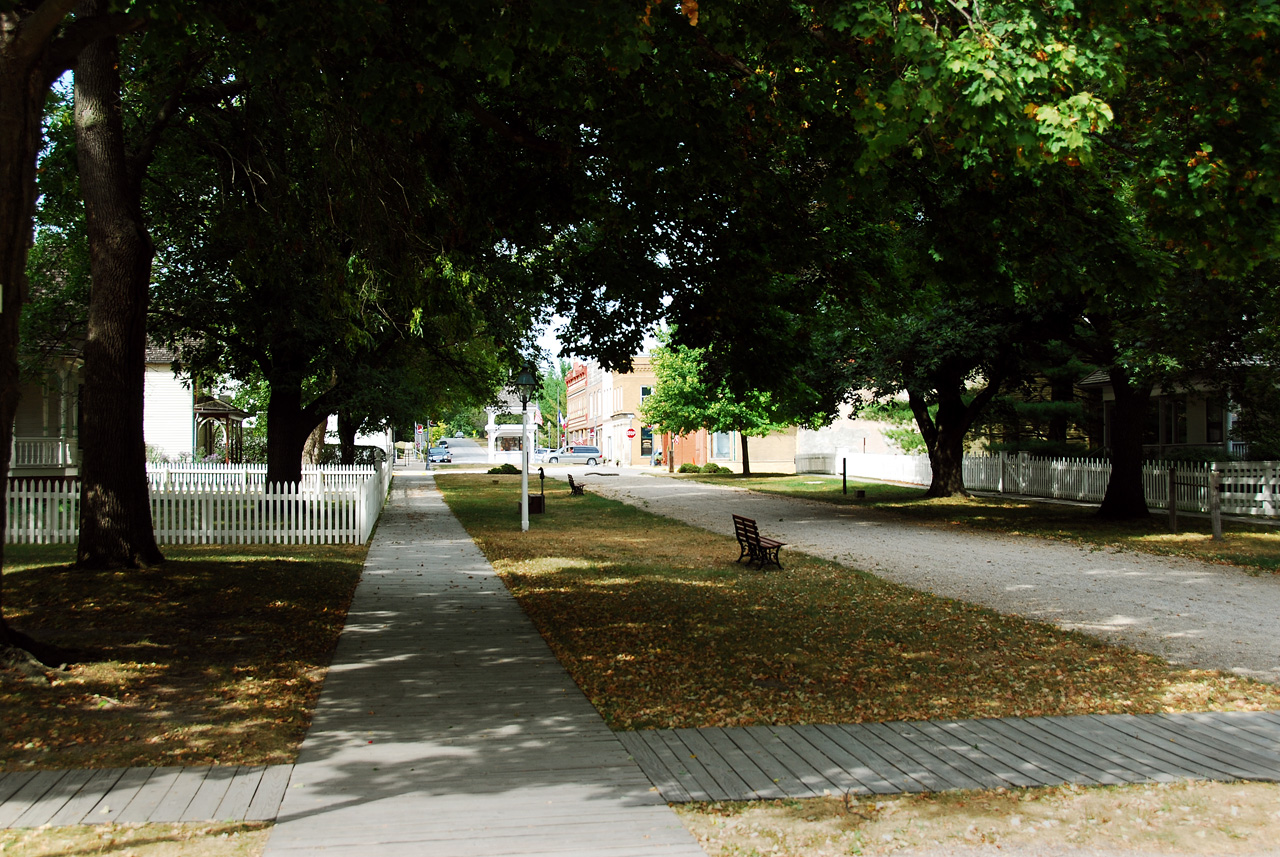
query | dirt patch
(138,840)
(1179,818)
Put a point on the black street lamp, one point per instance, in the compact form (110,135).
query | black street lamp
(525,384)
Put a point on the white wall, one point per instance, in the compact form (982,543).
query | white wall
(167,422)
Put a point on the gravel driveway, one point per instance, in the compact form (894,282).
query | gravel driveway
(1191,613)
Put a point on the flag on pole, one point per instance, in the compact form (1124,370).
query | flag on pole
(560,418)
(537,415)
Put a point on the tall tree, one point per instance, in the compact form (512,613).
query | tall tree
(39,41)
(116,528)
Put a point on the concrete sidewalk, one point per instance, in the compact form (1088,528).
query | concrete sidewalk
(447,727)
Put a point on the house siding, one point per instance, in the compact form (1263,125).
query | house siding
(167,422)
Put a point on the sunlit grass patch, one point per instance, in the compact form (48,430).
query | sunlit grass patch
(660,627)
(215,657)
(1181,818)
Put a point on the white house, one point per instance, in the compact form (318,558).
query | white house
(47,422)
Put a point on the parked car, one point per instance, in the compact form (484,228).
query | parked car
(441,454)
(540,454)
(576,454)
(444,442)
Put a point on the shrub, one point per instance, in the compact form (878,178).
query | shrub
(688,467)
(505,469)
(712,467)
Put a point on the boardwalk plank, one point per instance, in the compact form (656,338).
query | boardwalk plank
(208,797)
(55,797)
(1187,746)
(153,792)
(860,770)
(674,765)
(946,776)
(959,751)
(1001,761)
(1250,757)
(1234,728)
(182,790)
(26,796)
(1115,730)
(889,764)
(1116,768)
(235,803)
(729,781)
(90,793)
(801,742)
(706,783)
(119,795)
(774,769)
(1039,747)
(265,805)
(11,782)
(776,740)
(757,782)
(1133,763)
(667,784)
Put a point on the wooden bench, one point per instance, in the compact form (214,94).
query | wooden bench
(575,487)
(754,547)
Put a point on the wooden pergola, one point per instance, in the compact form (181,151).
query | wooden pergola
(212,414)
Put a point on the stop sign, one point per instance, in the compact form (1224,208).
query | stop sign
(631,432)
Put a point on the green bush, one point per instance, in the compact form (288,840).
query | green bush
(712,467)
(505,469)
(689,467)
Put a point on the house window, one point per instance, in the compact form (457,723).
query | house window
(1173,427)
(1214,428)
(722,445)
(645,392)
(646,441)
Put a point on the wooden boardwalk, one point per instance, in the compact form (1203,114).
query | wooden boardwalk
(765,762)
(37,798)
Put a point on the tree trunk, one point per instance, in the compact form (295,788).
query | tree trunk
(314,445)
(25,78)
(746,456)
(116,530)
(289,426)
(347,426)
(944,436)
(1126,498)
(946,453)
(1061,390)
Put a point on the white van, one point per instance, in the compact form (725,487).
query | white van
(575,454)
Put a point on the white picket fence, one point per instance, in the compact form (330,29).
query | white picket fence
(211,504)
(1248,487)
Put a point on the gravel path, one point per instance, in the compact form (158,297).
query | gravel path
(1191,613)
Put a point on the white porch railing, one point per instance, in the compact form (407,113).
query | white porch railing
(330,506)
(43,452)
(1248,487)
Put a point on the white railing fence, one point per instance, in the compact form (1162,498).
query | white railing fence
(43,452)
(1248,487)
(212,504)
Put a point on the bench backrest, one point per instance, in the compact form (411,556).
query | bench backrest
(745,529)
(570,480)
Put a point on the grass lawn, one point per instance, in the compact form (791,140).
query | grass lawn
(215,657)
(1252,546)
(661,628)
